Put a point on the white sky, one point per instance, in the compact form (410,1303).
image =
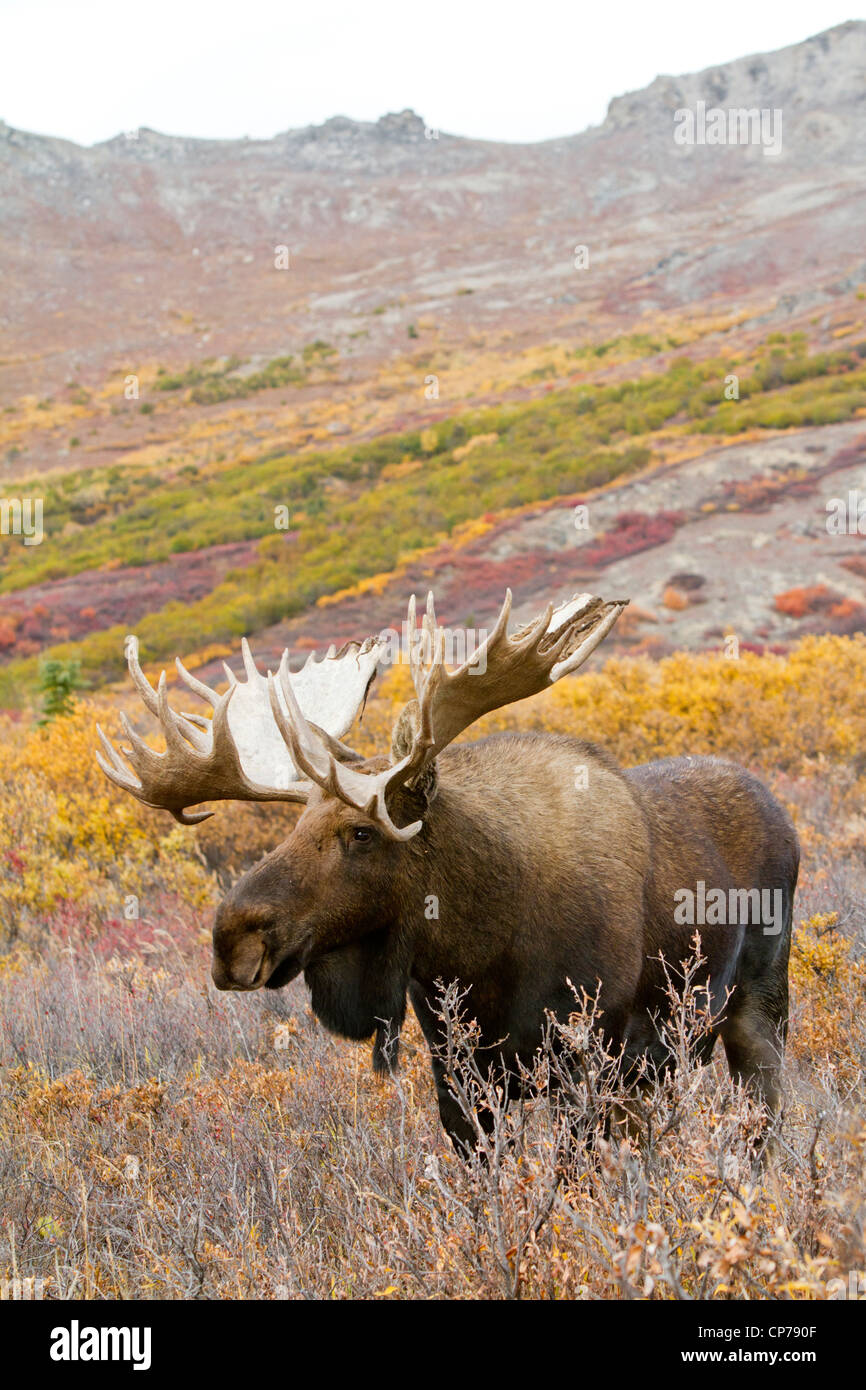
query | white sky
(527,70)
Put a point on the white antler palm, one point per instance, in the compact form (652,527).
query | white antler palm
(239,754)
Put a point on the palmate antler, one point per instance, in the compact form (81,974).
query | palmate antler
(261,743)
(503,670)
(238,754)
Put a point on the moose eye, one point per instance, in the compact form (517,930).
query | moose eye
(362,835)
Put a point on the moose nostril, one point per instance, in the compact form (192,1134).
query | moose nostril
(219,974)
(238,966)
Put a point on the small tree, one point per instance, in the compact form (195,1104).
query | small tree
(58,680)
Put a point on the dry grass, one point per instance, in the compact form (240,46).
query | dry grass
(159,1140)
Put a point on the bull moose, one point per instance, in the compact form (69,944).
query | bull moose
(542,880)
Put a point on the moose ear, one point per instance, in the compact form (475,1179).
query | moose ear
(422,790)
(404,731)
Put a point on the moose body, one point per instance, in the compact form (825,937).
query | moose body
(519,883)
(522,866)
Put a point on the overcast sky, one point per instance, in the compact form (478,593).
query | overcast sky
(88,69)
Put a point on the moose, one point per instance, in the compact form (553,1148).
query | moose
(543,882)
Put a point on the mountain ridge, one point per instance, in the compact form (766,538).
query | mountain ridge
(721,81)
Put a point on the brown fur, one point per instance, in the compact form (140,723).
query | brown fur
(537,881)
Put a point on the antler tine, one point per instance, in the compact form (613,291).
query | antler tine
(139,750)
(115,769)
(151,698)
(492,640)
(294,727)
(437,660)
(250,666)
(435,633)
(189,817)
(416,663)
(429,619)
(177,734)
(376,808)
(341,751)
(197,719)
(299,724)
(224,747)
(533,635)
(589,644)
(217,724)
(182,727)
(363,791)
(367,793)
(195,685)
(142,684)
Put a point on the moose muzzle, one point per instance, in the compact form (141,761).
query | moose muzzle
(240,962)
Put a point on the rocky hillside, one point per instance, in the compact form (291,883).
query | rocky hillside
(150,246)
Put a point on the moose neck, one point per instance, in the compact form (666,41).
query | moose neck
(465,868)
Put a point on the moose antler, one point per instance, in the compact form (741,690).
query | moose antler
(239,754)
(260,744)
(502,671)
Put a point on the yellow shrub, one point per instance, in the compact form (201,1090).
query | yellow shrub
(69,835)
(791,713)
(828,986)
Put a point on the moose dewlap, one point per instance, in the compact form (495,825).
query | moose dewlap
(543,881)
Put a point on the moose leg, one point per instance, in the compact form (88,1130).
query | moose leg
(754,1039)
(645,1061)
(457,1125)
(756,1027)
(627,1118)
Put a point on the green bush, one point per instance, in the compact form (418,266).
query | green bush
(58,681)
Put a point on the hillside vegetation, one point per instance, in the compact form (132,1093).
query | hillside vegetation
(355,511)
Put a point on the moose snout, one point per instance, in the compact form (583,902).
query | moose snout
(239,962)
